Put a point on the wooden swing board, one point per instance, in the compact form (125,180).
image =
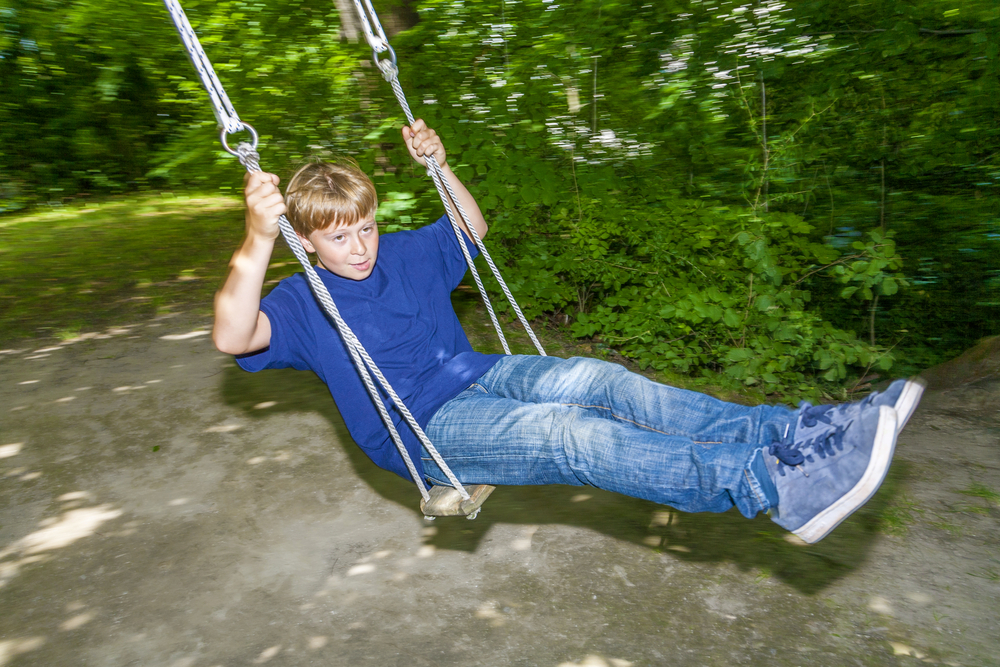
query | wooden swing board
(446,501)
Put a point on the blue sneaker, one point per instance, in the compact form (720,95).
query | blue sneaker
(902,396)
(830,466)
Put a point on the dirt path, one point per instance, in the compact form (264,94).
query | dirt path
(160,507)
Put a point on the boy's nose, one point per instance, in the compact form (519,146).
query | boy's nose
(358,247)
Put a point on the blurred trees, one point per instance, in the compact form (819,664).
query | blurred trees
(867,131)
(100,97)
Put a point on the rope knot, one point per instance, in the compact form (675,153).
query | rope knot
(388,69)
(248,156)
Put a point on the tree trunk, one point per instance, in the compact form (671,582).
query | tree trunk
(350,26)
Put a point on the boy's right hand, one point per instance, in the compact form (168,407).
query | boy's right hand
(264,203)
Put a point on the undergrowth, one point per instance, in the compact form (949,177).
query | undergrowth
(696,288)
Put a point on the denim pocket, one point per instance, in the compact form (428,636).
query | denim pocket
(430,479)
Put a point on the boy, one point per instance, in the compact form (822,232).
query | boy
(524,419)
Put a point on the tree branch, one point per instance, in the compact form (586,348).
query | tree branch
(842,260)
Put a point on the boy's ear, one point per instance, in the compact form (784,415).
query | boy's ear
(306,243)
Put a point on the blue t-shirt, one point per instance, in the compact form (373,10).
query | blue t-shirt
(402,314)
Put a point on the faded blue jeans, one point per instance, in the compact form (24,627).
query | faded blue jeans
(545,420)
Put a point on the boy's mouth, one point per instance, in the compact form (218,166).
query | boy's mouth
(362,266)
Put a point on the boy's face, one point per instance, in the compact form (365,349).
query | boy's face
(349,251)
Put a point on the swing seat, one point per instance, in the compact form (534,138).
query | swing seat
(446,501)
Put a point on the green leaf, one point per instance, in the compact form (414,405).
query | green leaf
(530,194)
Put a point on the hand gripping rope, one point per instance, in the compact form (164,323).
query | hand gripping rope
(380,44)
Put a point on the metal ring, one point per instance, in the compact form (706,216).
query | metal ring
(246,126)
(392,55)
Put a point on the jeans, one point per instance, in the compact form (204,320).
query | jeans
(545,420)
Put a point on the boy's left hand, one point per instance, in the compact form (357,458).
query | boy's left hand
(422,141)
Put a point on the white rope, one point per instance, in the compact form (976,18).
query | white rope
(366,367)
(362,361)
(380,44)
(225,114)
(391,72)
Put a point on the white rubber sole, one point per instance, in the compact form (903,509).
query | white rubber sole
(908,400)
(882,449)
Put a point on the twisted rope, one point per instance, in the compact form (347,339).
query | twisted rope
(228,119)
(366,367)
(380,44)
(391,72)
(364,363)
(225,114)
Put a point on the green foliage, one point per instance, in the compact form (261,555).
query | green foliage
(705,186)
(682,285)
(104,98)
(71,270)
(866,274)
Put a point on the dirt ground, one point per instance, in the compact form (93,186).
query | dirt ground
(159,507)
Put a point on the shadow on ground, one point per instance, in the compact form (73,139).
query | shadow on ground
(160,507)
(757,545)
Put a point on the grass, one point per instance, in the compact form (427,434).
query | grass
(82,268)
(74,269)
(988,573)
(898,510)
(977,490)
(899,515)
(902,511)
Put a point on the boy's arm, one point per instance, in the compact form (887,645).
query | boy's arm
(420,141)
(240,326)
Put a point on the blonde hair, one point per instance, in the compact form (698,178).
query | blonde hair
(321,194)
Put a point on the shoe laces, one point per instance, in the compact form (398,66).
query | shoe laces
(791,453)
(815,414)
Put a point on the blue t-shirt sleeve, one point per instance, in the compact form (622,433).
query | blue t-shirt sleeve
(291,337)
(439,246)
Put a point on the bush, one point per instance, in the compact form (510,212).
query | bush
(687,286)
